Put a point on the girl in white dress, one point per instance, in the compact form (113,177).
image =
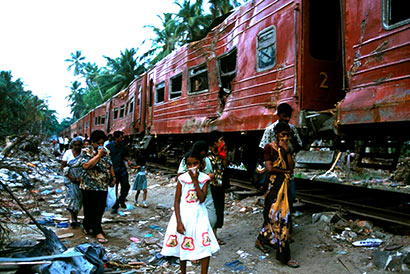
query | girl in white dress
(189,234)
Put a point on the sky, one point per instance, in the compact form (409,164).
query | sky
(38,35)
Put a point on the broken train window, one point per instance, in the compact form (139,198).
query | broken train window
(266,49)
(227,69)
(160,93)
(175,90)
(198,79)
(395,13)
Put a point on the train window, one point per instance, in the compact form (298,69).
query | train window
(176,87)
(266,49)
(160,93)
(98,120)
(131,108)
(115,113)
(324,29)
(126,107)
(227,69)
(139,96)
(198,79)
(122,108)
(95,121)
(85,125)
(395,13)
(102,122)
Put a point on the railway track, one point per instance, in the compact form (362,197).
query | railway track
(388,206)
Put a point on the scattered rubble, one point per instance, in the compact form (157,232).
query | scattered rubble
(324,242)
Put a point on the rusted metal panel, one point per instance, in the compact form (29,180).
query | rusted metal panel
(378,64)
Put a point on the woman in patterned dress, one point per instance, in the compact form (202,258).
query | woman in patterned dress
(98,173)
(276,214)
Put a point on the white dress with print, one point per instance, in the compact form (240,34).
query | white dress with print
(199,240)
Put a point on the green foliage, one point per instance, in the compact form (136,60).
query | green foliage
(21,111)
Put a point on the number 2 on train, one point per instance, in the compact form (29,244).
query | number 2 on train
(323,75)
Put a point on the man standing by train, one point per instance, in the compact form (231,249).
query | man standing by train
(284,113)
(118,156)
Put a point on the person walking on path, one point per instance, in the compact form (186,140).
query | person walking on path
(72,180)
(98,173)
(189,234)
(140,182)
(279,164)
(284,113)
(217,157)
(118,156)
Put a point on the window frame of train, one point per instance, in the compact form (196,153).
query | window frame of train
(115,114)
(391,13)
(131,105)
(122,111)
(266,45)
(201,72)
(225,67)
(175,82)
(102,120)
(160,93)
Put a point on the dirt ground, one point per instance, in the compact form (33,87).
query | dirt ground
(136,234)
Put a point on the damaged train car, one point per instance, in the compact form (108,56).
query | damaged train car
(343,65)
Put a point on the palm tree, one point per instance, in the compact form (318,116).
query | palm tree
(119,73)
(193,21)
(91,71)
(221,7)
(166,40)
(78,107)
(76,62)
(22,111)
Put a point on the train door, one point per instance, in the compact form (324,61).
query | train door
(321,62)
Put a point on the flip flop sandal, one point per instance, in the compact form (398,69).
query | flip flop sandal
(102,240)
(293,263)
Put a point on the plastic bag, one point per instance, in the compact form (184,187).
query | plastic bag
(111,198)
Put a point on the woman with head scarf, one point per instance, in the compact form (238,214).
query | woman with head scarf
(276,214)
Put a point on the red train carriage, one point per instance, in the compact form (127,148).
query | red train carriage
(320,56)
(122,111)
(235,77)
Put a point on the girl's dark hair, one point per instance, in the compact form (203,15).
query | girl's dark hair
(214,136)
(193,154)
(281,126)
(97,135)
(199,146)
